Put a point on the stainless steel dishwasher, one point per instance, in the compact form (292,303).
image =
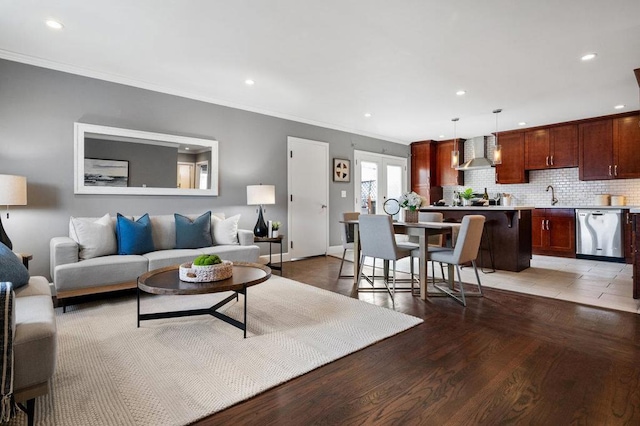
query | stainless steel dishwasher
(599,233)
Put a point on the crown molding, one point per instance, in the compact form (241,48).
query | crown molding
(114,78)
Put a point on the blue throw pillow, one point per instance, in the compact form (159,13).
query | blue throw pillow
(193,233)
(134,237)
(11,268)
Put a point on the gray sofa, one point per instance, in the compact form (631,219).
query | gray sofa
(34,344)
(73,276)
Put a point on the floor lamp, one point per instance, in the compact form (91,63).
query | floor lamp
(13,192)
(259,195)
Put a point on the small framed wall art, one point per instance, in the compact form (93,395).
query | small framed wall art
(341,170)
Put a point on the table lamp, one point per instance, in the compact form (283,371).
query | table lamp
(259,195)
(13,192)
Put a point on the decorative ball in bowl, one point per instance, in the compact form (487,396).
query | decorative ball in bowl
(205,269)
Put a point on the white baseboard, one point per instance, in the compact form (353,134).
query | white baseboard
(286,257)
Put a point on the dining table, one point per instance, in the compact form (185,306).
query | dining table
(422,230)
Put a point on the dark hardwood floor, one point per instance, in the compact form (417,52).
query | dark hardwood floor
(504,359)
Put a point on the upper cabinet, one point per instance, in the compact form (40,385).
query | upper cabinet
(512,169)
(423,170)
(610,149)
(447,176)
(626,144)
(551,148)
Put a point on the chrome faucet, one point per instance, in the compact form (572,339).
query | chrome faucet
(554,200)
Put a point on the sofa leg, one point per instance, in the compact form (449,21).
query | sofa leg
(31,409)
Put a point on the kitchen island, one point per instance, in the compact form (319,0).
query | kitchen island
(507,234)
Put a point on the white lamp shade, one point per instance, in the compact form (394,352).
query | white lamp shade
(13,190)
(261,194)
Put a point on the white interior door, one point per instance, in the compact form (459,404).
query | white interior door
(185,175)
(377,178)
(308,176)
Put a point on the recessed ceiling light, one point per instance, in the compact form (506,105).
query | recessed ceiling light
(367,115)
(589,56)
(522,123)
(461,92)
(619,106)
(441,136)
(187,148)
(54,24)
(249,82)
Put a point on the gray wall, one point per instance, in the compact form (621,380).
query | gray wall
(39,106)
(151,165)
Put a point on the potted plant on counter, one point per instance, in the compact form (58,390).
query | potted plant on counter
(466,196)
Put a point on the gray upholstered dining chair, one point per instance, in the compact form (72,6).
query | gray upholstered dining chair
(466,250)
(346,236)
(434,242)
(377,240)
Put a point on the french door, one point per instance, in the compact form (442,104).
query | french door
(378,178)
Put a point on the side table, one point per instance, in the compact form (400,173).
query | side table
(26,257)
(272,240)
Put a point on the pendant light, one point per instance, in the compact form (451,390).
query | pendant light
(497,149)
(455,154)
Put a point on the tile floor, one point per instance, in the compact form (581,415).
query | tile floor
(589,282)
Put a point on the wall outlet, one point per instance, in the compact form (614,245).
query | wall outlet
(343,194)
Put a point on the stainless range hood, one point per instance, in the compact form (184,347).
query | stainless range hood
(479,160)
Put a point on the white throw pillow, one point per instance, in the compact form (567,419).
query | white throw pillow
(225,231)
(95,237)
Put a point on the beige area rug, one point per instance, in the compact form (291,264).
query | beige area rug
(175,371)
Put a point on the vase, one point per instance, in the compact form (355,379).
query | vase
(411,216)
(466,202)
(275,233)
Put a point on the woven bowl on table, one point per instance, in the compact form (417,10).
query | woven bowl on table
(206,273)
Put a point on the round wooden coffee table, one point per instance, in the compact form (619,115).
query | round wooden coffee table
(167,281)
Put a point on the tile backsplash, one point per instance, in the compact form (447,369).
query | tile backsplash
(570,191)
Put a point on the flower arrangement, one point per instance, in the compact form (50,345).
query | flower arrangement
(275,225)
(410,200)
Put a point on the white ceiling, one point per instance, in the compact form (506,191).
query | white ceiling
(328,62)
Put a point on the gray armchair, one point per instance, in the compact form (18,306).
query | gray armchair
(34,343)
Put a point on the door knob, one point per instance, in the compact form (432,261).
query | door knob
(324,206)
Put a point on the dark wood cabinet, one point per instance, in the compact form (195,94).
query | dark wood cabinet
(553,232)
(610,149)
(445,175)
(537,149)
(627,236)
(512,169)
(551,148)
(635,223)
(423,170)
(596,150)
(626,144)
(564,146)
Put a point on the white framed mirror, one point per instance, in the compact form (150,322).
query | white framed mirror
(110,160)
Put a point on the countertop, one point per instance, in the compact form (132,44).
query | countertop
(492,208)
(633,209)
(587,207)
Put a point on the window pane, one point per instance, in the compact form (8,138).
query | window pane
(369,187)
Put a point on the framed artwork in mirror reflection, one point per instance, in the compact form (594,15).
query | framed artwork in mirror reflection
(98,172)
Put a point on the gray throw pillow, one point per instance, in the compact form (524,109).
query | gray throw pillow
(195,233)
(11,268)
